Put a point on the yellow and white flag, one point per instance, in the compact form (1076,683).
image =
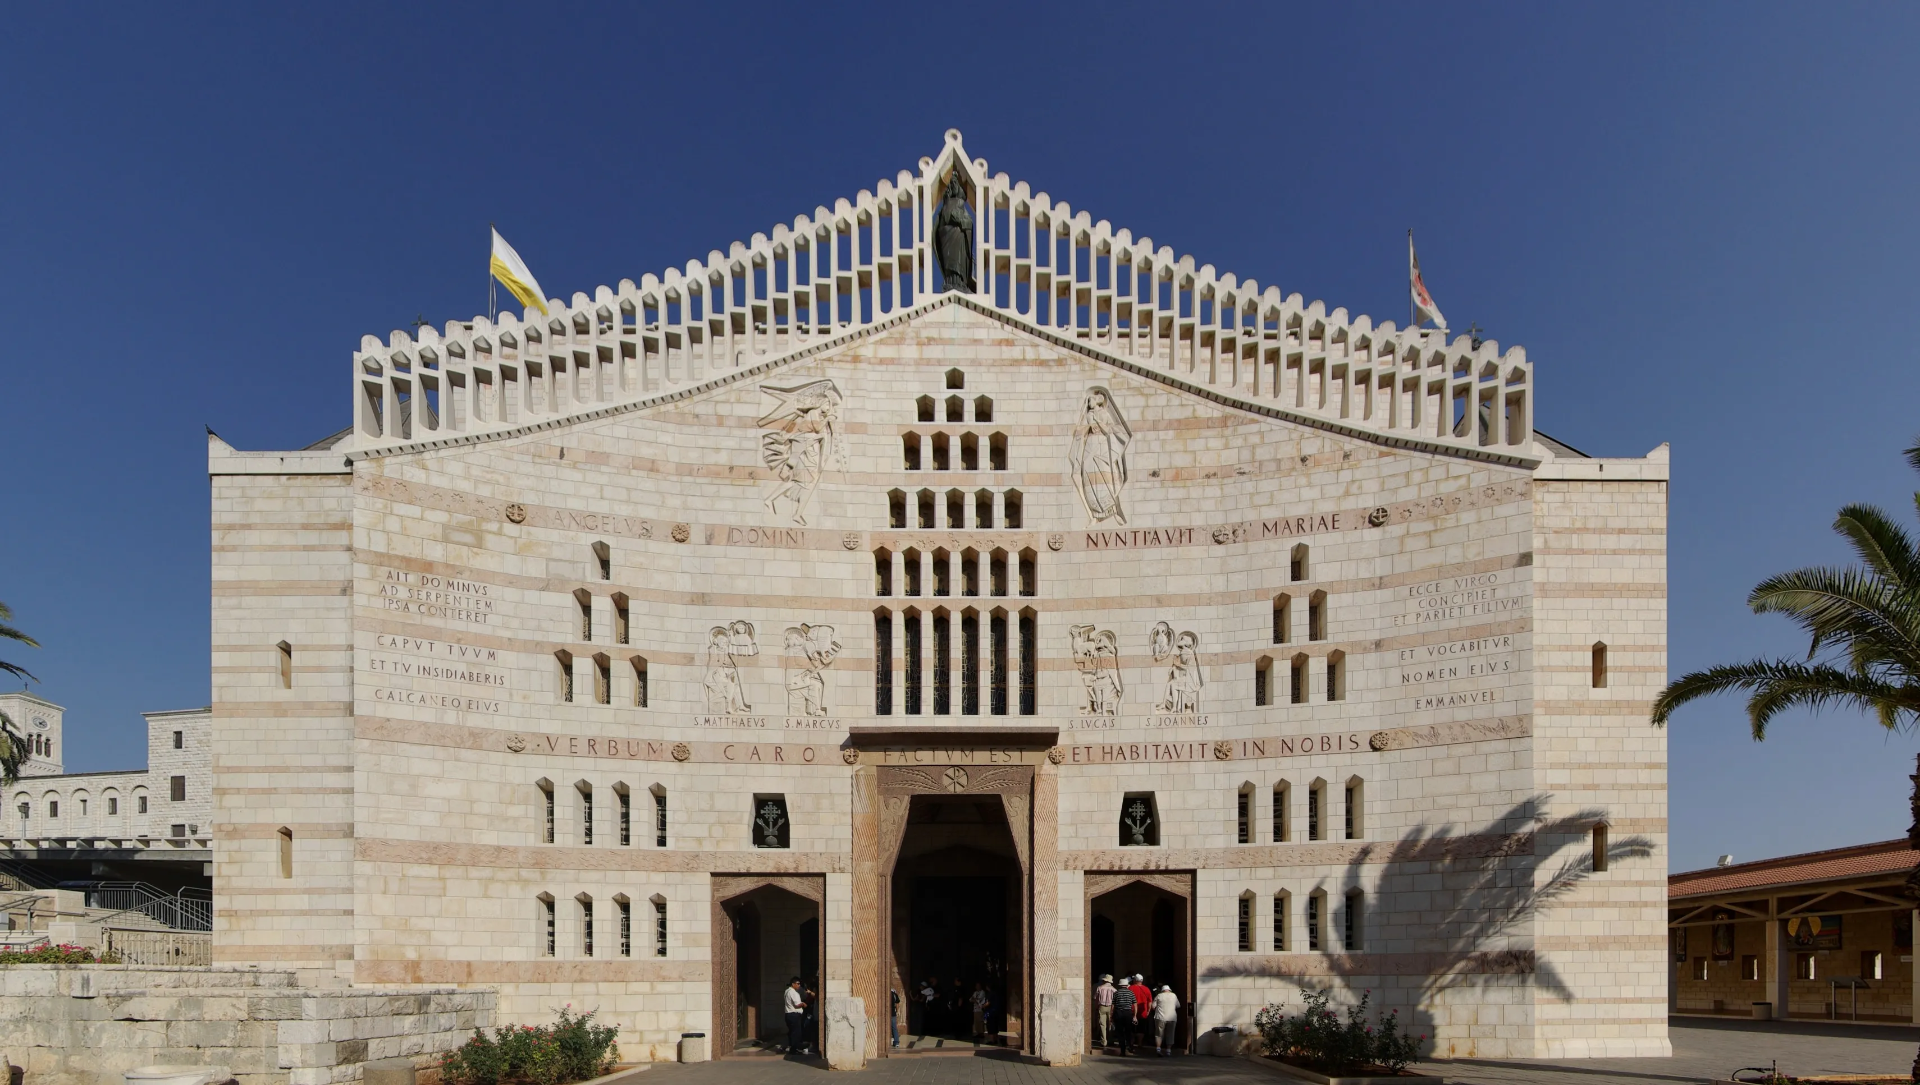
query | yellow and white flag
(513,274)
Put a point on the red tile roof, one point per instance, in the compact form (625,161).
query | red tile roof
(1885,857)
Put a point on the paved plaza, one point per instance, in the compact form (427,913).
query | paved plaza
(1702,1049)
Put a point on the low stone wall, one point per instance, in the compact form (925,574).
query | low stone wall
(90,1024)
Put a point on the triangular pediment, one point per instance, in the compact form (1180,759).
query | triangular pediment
(869,264)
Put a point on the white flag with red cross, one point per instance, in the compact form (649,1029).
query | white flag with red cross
(1423,306)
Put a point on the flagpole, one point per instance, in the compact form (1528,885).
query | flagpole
(1413,313)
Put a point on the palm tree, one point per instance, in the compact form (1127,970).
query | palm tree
(13,746)
(1864,625)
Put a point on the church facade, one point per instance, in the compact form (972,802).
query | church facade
(788,614)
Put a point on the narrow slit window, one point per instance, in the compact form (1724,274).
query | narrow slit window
(910,450)
(1317,616)
(942,573)
(1029,662)
(1246,923)
(585,601)
(925,503)
(1297,567)
(603,560)
(942,460)
(1243,805)
(969,452)
(997,572)
(983,508)
(896,508)
(1282,619)
(1316,801)
(284,656)
(969,572)
(969,663)
(1029,573)
(882,663)
(626,926)
(1356,808)
(286,851)
(883,572)
(564,661)
(1337,676)
(1352,925)
(622,620)
(1282,813)
(586,925)
(1299,679)
(956,409)
(910,627)
(1599,664)
(1600,848)
(1013,506)
(1262,682)
(997,452)
(586,812)
(659,816)
(1316,906)
(998,631)
(602,679)
(910,571)
(956,510)
(1282,904)
(639,681)
(552,940)
(942,663)
(626,814)
(659,926)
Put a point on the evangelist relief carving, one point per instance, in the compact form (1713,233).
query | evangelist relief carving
(810,650)
(1098,456)
(724,693)
(1181,693)
(803,439)
(1096,653)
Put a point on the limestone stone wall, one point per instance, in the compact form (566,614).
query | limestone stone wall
(90,1024)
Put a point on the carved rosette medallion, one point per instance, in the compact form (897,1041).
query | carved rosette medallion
(1056,540)
(1222,750)
(681,533)
(1379,740)
(1378,517)
(851,540)
(682,751)
(516,743)
(516,513)
(956,779)
(1057,755)
(850,755)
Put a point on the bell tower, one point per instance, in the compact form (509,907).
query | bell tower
(38,722)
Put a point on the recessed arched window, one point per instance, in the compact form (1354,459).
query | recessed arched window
(1336,676)
(563,659)
(956,379)
(1282,909)
(1029,661)
(547,803)
(1316,810)
(1356,808)
(622,619)
(625,906)
(997,571)
(623,808)
(910,451)
(659,793)
(911,656)
(1316,919)
(969,452)
(956,509)
(586,924)
(883,572)
(602,678)
(1245,922)
(1353,925)
(639,681)
(1262,682)
(659,925)
(584,600)
(942,572)
(910,570)
(983,508)
(1243,815)
(925,503)
(896,508)
(883,662)
(942,661)
(1282,812)
(1600,848)
(1599,664)
(923,409)
(547,919)
(982,409)
(998,659)
(1282,618)
(603,560)
(1299,679)
(1297,567)
(1014,513)
(942,460)
(1317,616)
(956,409)
(284,655)
(1029,572)
(285,836)
(969,662)
(997,452)
(585,791)
(969,572)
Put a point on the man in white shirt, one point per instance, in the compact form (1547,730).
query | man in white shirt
(795,1008)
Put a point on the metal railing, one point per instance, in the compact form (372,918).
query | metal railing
(187,910)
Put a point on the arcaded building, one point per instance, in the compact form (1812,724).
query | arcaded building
(948,584)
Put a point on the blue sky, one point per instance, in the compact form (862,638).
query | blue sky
(1699,219)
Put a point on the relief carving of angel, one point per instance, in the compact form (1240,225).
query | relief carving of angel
(1098,455)
(723,691)
(803,438)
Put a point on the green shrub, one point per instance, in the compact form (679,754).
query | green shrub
(1318,1038)
(60,954)
(571,1049)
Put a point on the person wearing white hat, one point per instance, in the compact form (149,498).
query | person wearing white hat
(1166,1019)
(1103,998)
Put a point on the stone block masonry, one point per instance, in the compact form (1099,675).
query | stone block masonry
(90,1024)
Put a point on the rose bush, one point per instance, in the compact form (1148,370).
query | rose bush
(1317,1038)
(571,1049)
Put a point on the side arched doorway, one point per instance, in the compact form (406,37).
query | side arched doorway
(1141,923)
(766,930)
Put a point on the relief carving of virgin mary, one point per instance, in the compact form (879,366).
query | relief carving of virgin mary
(1098,455)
